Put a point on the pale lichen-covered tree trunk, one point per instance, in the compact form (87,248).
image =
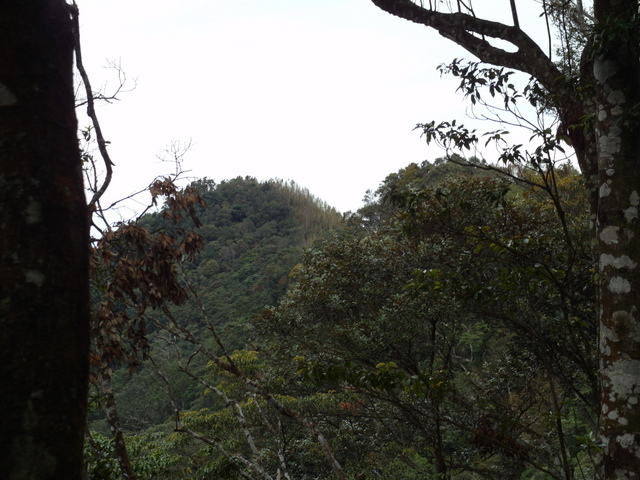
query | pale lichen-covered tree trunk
(44,300)
(617,128)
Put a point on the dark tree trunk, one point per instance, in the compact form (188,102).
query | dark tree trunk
(44,301)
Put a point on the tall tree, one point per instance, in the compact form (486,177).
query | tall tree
(44,300)
(483,363)
(597,103)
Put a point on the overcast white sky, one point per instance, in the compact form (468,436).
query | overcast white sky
(323,92)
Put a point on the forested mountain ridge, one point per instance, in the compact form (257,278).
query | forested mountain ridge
(253,235)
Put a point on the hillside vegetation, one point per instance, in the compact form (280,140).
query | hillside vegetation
(444,331)
(253,235)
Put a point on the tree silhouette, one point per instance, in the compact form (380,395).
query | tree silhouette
(44,300)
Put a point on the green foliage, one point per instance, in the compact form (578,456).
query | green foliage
(253,234)
(474,78)
(388,199)
(449,333)
(461,327)
(151,457)
(99,458)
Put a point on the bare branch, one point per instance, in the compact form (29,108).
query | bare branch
(548,25)
(91,112)
(111,97)
(514,14)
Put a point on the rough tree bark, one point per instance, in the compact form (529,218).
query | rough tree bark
(44,300)
(617,130)
(608,151)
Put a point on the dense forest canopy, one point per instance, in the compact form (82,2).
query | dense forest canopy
(252,234)
(589,86)
(445,329)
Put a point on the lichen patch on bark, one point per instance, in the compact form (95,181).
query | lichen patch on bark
(6,97)
(608,334)
(33,212)
(623,376)
(610,146)
(626,326)
(602,114)
(616,98)
(630,214)
(619,285)
(35,277)
(609,235)
(623,261)
(604,69)
(623,475)
(625,440)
